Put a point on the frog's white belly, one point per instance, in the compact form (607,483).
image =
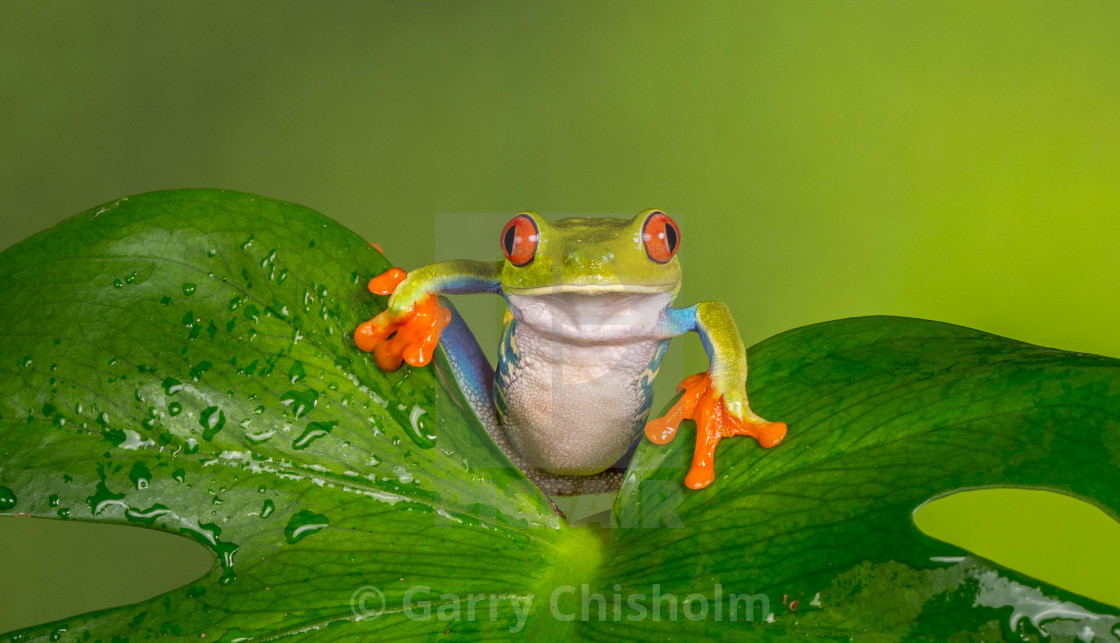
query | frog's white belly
(574,379)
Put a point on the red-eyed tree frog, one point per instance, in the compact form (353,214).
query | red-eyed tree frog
(589,317)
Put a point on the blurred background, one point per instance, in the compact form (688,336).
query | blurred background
(949,160)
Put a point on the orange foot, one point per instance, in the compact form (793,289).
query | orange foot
(715,422)
(411,337)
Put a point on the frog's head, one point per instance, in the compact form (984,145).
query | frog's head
(591,256)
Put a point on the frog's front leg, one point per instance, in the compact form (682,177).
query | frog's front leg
(409,328)
(419,319)
(717,399)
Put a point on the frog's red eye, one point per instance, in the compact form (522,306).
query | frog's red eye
(661,236)
(519,239)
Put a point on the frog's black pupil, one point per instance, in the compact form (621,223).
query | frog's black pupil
(508,241)
(671,237)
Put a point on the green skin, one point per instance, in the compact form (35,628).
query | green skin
(596,256)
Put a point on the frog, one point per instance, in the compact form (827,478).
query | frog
(589,316)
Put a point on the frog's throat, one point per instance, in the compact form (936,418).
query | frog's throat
(591,289)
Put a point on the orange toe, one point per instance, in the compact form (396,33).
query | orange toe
(411,338)
(663,429)
(713,423)
(771,434)
(387,282)
(386,358)
(371,333)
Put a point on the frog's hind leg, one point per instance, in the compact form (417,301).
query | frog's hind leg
(475,377)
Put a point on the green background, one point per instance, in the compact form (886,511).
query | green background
(956,161)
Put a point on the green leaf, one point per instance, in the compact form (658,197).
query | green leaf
(884,414)
(183,361)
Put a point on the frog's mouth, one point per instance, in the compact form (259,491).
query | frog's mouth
(577,318)
(592,289)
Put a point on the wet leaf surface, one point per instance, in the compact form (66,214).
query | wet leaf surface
(183,361)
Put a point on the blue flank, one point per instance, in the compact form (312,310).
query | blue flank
(646,382)
(468,363)
(507,361)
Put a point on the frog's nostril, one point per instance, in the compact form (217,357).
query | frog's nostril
(590,262)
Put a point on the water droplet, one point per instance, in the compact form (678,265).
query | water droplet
(207,534)
(188,289)
(7,499)
(174,409)
(268,259)
(102,498)
(259,438)
(402,474)
(314,431)
(419,432)
(140,475)
(172,386)
(248,242)
(165,300)
(304,524)
(200,368)
(117,283)
(133,440)
(227,577)
(180,475)
(212,419)
(301,402)
(146,516)
(296,373)
(268,508)
(26,361)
